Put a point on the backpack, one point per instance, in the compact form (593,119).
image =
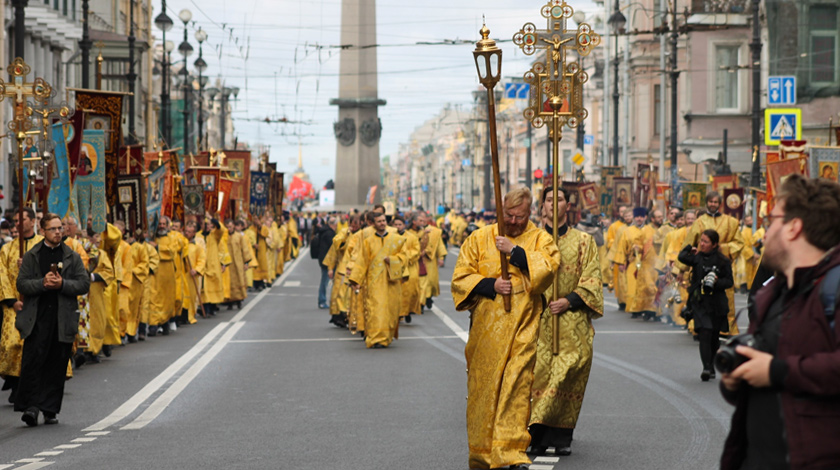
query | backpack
(314,246)
(830,294)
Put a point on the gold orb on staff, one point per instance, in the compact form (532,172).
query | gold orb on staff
(556,97)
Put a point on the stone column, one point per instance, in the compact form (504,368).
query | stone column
(358,128)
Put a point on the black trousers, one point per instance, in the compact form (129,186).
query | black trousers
(547,436)
(710,342)
(43,368)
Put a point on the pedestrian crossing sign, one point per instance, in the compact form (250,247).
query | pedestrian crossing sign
(782,124)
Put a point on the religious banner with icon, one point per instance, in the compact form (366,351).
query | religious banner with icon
(733,202)
(154,198)
(239,163)
(778,171)
(208,178)
(645,183)
(73,138)
(58,199)
(174,178)
(622,192)
(90,184)
(259,192)
(824,162)
(588,197)
(279,192)
(103,112)
(225,190)
(131,160)
(724,182)
(193,199)
(694,195)
(132,202)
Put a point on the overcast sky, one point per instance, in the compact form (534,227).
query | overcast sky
(251,42)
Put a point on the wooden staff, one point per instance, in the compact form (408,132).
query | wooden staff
(497,183)
(556,103)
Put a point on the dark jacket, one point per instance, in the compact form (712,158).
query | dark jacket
(806,371)
(325,236)
(30,283)
(708,304)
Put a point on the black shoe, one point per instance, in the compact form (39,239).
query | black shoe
(563,451)
(30,417)
(635,315)
(622,306)
(379,346)
(50,418)
(132,339)
(106,350)
(90,357)
(539,451)
(239,305)
(407,318)
(141,337)
(705,375)
(164,329)
(429,303)
(152,331)
(79,360)
(230,306)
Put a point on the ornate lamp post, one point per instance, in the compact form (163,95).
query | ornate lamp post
(132,75)
(488,63)
(200,65)
(617,22)
(164,23)
(186,49)
(556,90)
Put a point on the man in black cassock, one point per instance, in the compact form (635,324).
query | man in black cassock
(51,277)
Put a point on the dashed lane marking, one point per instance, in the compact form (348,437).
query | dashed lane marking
(546,459)
(98,433)
(84,439)
(67,446)
(35,465)
(450,323)
(292,284)
(48,453)
(541,467)
(30,460)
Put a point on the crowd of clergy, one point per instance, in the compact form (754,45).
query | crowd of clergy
(147,284)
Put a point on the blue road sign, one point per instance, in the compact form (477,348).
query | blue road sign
(517,91)
(588,139)
(465,162)
(781,90)
(782,124)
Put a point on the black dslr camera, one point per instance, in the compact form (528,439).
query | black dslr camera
(726,359)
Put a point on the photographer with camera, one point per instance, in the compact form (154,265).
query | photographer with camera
(786,386)
(711,275)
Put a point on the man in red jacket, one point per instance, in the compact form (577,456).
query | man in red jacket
(787,393)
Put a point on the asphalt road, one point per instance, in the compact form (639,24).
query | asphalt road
(275,386)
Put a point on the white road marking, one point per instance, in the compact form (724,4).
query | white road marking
(611,304)
(445,283)
(67,446)
(35,466)
(546,459)
(28,460)
(84,439)
(2,467)
(48,453)
(314,340)
(450,323)
(156,384)
(156,408)
(541,467)
(292,284)
(98,433)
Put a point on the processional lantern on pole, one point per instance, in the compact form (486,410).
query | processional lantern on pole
(488,63)
(24,124)
(556,92)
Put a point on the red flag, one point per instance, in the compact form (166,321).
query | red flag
(299,188)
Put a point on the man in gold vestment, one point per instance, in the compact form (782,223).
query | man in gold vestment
(560,381)
(139,274)
(619,277)
(676,242)
(167,279)
(194,254)
(636,259)
(380,265)
(355,294)
(410,301)
(126,278)
(259,233)
(103,295)
(148,286)
(731,242)
(501,351)
(336,263)
(217,261)
(612,234)
(280,246)
(433,256)
(240,256)
(11,344)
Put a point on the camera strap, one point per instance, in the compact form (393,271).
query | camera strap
(830,294)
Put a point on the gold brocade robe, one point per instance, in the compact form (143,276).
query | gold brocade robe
(294,238)
(139,274)
(355,296)
(271,244)
(194,252)
(635,250)
(731,244)
(501,350)
(282,237)
(382,283)
(435,251)
(619,278)
(102,302)
(334,261)
(750,264)
(411,287)
(560,381)
(11,344)
(126,279)
(216,256)
(260,234)
(149,283)
(164,301)
(609,242)
(240,256)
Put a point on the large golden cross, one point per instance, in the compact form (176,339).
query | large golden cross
(18,89)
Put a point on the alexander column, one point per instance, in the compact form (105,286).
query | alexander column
(358,128)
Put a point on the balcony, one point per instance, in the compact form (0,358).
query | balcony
(719,6)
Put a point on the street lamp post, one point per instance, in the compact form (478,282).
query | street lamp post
(186,49)
(84,44)
(132,75)
(674,75)
(164,23)
(201,66)
(617,22)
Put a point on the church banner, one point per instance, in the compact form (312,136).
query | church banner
(694,195)
(132,202)
(225,189)
(131,160)
(733,202)
(91,181)
(58,199)
(154,198)
(103,112)
(239,163)
(73,138)
(259,192)
(824,162)
(645,183)
(193,200)
(724,182)
(208,178)
(174,178)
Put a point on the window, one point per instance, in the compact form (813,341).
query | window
(726,77)
(657,109)
(823,44)
(566,165)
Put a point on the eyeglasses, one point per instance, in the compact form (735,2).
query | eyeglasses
(775,216)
